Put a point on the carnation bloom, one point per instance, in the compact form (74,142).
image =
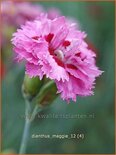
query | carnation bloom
(56,49)
(16,13)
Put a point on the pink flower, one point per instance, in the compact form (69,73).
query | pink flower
(18,12)
(56,49)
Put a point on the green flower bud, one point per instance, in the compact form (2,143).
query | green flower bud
(47,94)
(31,86)
(38,91)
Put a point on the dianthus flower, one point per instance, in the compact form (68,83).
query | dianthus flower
(16,13)
(56,49)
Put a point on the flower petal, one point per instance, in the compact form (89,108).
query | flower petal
(34,70)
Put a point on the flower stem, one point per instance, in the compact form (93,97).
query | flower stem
(36,109)
(25,137)
(26,128)
(28,119)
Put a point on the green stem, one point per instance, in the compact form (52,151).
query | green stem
(29,118)
(35,111)
(25,137)
(26,128)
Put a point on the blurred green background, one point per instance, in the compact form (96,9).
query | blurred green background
(97,20)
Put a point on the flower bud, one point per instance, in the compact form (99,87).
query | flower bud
(47,94)
(31,86)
